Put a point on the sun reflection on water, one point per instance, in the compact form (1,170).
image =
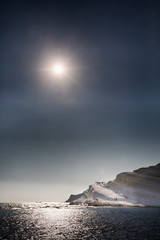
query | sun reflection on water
(56,221)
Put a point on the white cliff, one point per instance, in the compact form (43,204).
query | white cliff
(138,188)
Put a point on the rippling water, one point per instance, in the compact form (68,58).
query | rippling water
(61,221)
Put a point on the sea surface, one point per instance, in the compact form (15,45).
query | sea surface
(62,221)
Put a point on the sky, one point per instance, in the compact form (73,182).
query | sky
(102,117)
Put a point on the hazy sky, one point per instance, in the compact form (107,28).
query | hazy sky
(57,136)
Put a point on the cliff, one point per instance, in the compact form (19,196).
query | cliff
(138,188)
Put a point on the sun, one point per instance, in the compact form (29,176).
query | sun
(58,69)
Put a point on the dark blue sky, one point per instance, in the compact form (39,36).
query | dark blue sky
(102,119)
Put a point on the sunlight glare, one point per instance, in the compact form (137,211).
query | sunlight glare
(58,69)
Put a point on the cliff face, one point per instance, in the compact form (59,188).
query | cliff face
(74,197)
(141,186)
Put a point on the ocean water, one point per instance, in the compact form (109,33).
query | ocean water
(61,221)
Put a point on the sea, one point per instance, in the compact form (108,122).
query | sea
(48,220)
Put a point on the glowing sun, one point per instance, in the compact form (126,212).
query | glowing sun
(58,69)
